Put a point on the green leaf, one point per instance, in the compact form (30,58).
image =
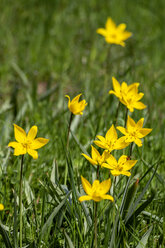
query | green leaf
(143,241)
(5,236)
(69,241)
(53,214)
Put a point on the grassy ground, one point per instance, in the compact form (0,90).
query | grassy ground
(49,49)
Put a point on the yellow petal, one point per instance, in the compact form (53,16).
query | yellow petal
(115,173)
(130,123)
(19,133)
(19,150)
(86,185)
(95,154)
(96,198)
(110,24)
(122,130)
(138,142)
(126,35)
(102,31)
(92,161)
(107,197)
(85,198)
(105,186)
(33,153)
(108,166)
(144,132)
(139,105)
(13,144)
(68,101)
(111,134)
(32,133)
(121,143)
(116,86)
(101,138)
(129,164)
(38,143)
(112,160)
(76,98)
(140,123)
(105,155)
(100,144)
(122,26)
(126,173)
(122,159)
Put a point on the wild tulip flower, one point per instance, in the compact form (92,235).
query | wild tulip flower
(1,207)
(114,34)
(111,141)
(75,106)
(134,132)
(27,143)
(96,158)
(121,167)
(128,94)
(97,191)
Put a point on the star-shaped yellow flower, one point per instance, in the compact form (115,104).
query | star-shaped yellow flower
(27,143)
(111,142)
(128,94)
(114,34)
(121,167)
(96,158)
(75,106)
(134,132)
(97,191)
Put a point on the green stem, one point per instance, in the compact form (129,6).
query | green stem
(126,116)
(67,147)
(95,224)
(20,199)
(70,121)
(117,112)
(97,172)
(130,151)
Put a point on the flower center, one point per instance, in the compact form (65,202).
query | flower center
(26,144)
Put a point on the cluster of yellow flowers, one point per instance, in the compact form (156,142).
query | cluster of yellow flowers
(133,133)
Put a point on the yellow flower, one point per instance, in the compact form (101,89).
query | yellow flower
(1,207)
(134,131)
(114,34)
(97,191)
(75,106)
(27,143)
(121,167)
(110,142)
(97,159)
(128,94)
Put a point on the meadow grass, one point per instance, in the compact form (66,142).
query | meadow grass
(49,49)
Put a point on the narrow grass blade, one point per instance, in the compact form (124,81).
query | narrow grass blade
(5,237)
(143,241)
(51,217)
(141,195)
(21,74)
(69,241)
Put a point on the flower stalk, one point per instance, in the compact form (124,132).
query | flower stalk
(117,112)
(69,126)
(95,224)
(20,199)
(67,146)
